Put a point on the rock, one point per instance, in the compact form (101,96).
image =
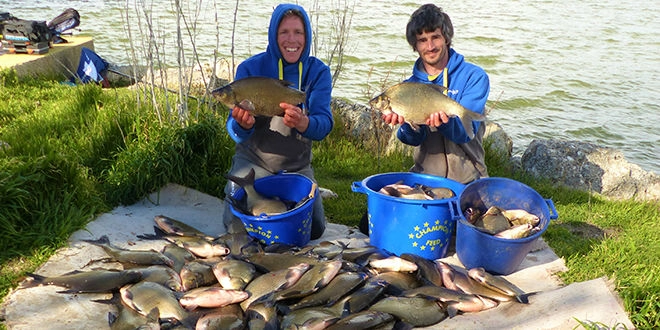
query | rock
(360,122)
(590,167)
(496,139)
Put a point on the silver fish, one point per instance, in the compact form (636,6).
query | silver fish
(416,311)
(127,318)
(517,232)
(262,316)
(163,275)
(197,274)
(226,318)
(417,101)
(234,274)
(520,217)
(145,296)
(257,204)
(427,270)
(98,280)
(211,296)
(141,257)
(176,227)
(311,281)
(393,264)
(498,283)
(260,95)
(273,281)
(341,284)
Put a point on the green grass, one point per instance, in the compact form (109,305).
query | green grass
(68,154)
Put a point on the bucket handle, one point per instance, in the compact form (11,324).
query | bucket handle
(358,187)
(309,196)
(455,210)
(553,210)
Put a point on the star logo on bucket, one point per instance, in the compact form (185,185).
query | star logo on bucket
(427,236)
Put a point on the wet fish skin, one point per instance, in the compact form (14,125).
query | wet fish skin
(176,227)
(498,283)
(145,296)
(234,274)
(163,275)
(262,95)
(262,316)
(211,296)
(127,318)
(199,246)
(268,262)
(518,232)
(393,264)
(309,318)
(417,101)
(397,281)
(416,311)
(257,204)
(427,270)
(226,318)
(311,281)
(454,300)
(457,280)
(360,298)
(367,319)
(493,221)
(141,257)
(521,217)
(94,281)
(272,282)
(196,274)
(340,285)
(179,256)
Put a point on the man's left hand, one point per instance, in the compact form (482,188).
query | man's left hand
(437,119)
(294,117)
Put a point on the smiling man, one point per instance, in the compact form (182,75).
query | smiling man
(273,144)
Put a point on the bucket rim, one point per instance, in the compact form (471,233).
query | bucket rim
(523,240)
(457,190)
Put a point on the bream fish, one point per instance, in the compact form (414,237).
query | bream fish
(417,101)
(260,95)
(256,204)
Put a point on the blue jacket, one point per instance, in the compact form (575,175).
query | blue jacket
(270,143)
(447,150)
(468,85)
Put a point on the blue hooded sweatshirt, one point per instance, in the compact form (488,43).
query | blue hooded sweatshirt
(447,150)
(271,144)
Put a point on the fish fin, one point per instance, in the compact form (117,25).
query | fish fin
(524,298)
(246,105)
(33,280)
(101,241)
(244,181)
(451,310)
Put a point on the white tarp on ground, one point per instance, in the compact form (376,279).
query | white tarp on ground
(553,307)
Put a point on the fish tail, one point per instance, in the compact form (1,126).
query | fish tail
(33,280)
(244,181)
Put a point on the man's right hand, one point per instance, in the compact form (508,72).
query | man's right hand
(243,117)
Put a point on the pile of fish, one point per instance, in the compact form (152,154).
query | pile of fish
(232,282)
(417,191)
(512,223)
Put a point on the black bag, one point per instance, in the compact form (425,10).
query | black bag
(67,20)
(22,31)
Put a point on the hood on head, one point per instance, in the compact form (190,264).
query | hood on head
(275,20)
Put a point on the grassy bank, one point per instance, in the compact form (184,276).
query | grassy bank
(68,154)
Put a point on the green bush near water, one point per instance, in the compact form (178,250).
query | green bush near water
(68,154)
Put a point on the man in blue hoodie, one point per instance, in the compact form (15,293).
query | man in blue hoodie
(274,144)
(442,146)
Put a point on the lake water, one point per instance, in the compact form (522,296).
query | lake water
(579,70)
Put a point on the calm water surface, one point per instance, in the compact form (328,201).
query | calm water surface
(587,70)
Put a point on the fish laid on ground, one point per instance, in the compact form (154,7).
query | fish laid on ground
(416,311)
(197,274)
(127,318)
(311,281)
(163,275)
(179,256)
(309,318)
(393,264)
(259,95)
(498,283)
(398,281)
(94,281)
(176,227)
(339,286)
(211,296)
(417,101)
(453,299)
(362,298)
(234,274)
(268,261)
(198,246)
(141,257)
(457,280)
(363,320)
(145,296)
(257,204)
(262,316)
(226,318)
(427,270)
(273,282)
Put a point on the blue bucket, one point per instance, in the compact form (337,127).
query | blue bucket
(498,255)
(293,227)
(398,225)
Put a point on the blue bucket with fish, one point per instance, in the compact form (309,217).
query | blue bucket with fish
(293,227)
(502,256)
(398,225)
